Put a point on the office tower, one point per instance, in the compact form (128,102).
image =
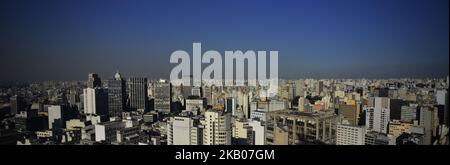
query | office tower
(305,128)
(138,93)
(259,136)
(184,130)
(17,104)
(163,97)
(377,114)
(427,121)
(95,102)
(441,97)
(217,128)
(349,113)
(409,113)
(93,81)
(243,100)
(207,93)
(395,106)
(57,116)
(350,135)
(376,138)
(116,96)
(231,106)
(442,100)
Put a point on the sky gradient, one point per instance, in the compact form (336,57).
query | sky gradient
(65,40)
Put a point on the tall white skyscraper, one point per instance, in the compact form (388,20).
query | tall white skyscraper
(378,114)
(217,128)
(350,135)
(95,102)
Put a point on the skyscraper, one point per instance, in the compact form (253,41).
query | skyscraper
(138,93)
(95,102)
(163,96)
(428,122)
(116,95)
(217,128)
(17,104)
(231,106)
(93,81)
(377,114)
(56,117)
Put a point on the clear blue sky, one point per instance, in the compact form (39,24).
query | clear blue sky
(64,40)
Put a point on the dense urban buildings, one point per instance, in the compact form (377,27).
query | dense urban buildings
(304,112)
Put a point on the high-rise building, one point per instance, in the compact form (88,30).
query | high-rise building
(116,95)
(259,136)
(94,81)
(17,104)
(377,114)
(163,97)
(349,113)
(350,135)
(305,128)
(231,106)
(428,121)
(57,116)
(242,133)
(217,128)
(138,93)
(184,130)
(95,102)
(74,98)
(409,113)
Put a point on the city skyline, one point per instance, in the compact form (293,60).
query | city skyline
(55,40)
